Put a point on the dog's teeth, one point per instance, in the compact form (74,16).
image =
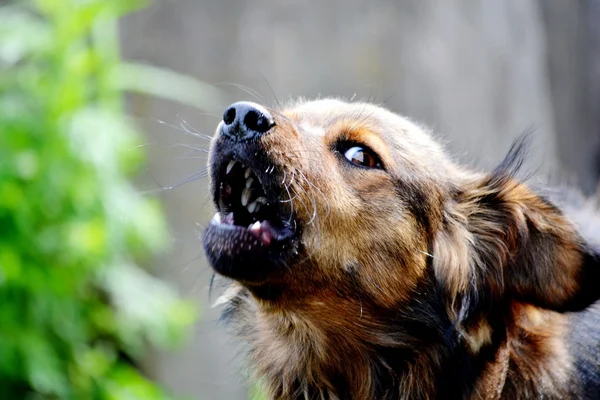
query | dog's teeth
(261,200)
(246,193)
(247,173)
(249,182)
(230,166)
(216,219)
(255,226)
(252,207)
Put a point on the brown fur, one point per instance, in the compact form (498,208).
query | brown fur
(423,280)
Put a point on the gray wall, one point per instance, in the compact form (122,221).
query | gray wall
(478,72)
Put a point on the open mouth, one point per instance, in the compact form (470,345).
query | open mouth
(243,203)
(251,234)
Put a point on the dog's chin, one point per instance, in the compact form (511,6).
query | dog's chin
(255,255)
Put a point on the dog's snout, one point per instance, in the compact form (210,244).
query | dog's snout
(245,120)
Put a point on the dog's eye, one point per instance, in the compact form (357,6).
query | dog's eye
(362,156)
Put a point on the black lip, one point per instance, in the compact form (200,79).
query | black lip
(233,250)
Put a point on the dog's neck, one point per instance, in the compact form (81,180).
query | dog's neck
(335,348)
(313,349)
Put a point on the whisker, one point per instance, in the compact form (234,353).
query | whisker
(287,187)
(174,145)
(279,104)
(189,158)
(244,88)
(290,199)
(191,130)
(185,263)
(193,177)
(188,146)
(182,127)
(319,191)
(314,213)
(301,199)
(310,195)
(197,280)
(290,218)
(207,199)
(381,104)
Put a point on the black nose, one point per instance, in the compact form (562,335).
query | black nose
(244,121)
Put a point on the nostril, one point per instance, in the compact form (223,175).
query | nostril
(245,120)
(229,116)
(257,122)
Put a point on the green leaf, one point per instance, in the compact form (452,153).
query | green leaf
(73,301)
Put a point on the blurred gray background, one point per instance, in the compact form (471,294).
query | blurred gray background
(478,73)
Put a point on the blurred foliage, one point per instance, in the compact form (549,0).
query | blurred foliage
(74,307)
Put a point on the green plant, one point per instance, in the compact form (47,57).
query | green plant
(74,307)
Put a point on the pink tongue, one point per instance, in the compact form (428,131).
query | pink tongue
(263,231)
(266,237)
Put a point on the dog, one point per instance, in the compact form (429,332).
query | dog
(367,264)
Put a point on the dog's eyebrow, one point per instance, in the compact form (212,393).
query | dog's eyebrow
(315,129)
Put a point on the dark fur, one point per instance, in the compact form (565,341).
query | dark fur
(487,293)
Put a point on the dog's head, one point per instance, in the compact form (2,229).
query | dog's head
(347,203)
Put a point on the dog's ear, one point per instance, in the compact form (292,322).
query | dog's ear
(501,240)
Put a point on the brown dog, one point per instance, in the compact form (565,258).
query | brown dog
(368,265)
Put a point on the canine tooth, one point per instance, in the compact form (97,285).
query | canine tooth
(246,193)
(230,166)
(216,219)
(252,207)
(249,182)
(255,226)
(247,173)
(261,200)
